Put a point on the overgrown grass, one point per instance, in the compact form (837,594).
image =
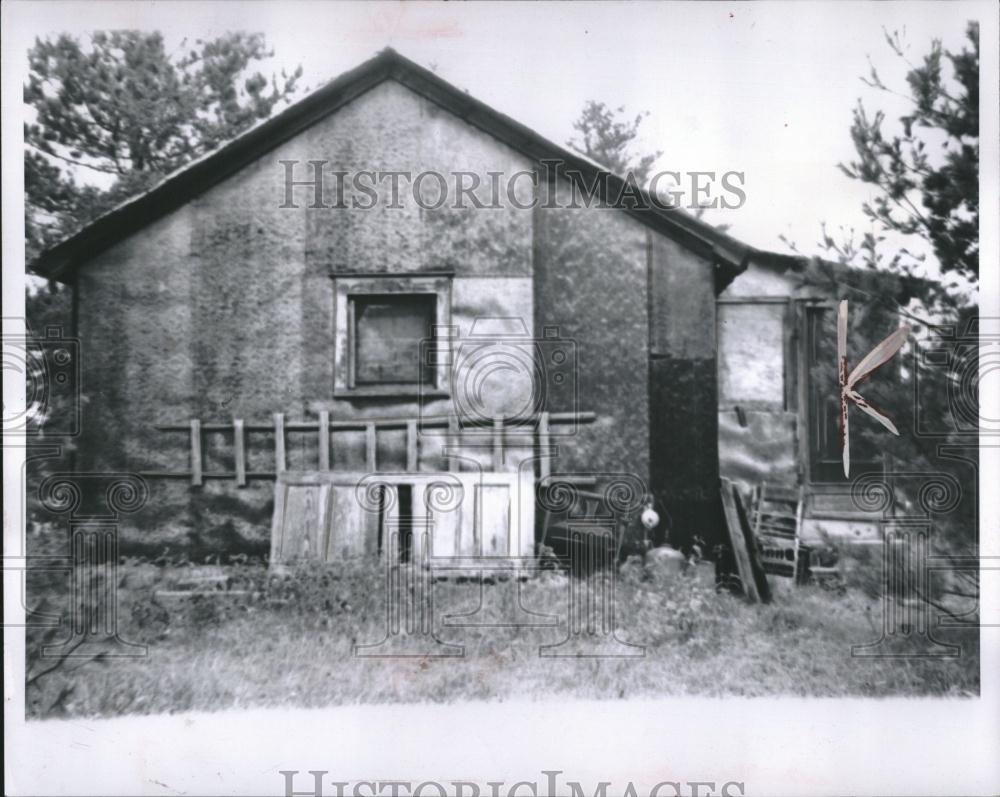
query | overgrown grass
(290,640)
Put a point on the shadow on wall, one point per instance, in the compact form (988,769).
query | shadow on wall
(201,526)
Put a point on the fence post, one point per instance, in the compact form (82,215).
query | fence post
(544,462)
(195,452)
(324,440)
(412,453)
(370,447)
(279,442)
(239,450)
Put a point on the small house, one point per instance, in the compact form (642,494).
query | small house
(278,313)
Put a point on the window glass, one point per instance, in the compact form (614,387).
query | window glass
(387,334)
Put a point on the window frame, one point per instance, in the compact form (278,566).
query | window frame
(349,287)
(784,311)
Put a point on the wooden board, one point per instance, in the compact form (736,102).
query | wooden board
(352,530)
(737,541)
(445,526)
(753,550)
(467,517)
(298,530)
(492,503)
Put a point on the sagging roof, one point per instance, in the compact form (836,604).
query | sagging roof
(823,273)
(59,261)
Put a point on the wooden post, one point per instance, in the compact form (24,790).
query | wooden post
(195,452)
(544,461)
(412,452)
(324,440)
(279,442)
(370,446)
(452,443)
(278,523)
(544,468)
(498,443)
(239,451)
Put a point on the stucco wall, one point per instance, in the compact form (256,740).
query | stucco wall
(591,285)
(225,308)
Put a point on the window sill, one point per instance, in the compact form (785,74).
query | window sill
(389,391)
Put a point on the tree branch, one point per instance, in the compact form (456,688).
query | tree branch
(103,169)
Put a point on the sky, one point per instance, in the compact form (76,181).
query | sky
(766,89)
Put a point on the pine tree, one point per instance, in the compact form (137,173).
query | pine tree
(120,105)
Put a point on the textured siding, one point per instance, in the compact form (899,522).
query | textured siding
(591,283)
(225,308)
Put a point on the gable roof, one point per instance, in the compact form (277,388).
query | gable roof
(59,261)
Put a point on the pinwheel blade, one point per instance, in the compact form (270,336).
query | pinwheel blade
(879,356)
(865,407)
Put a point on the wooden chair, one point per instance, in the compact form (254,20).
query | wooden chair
(777,523)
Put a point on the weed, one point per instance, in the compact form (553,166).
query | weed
(287,637)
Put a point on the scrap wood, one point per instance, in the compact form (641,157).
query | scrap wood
(743,545)
(750,538)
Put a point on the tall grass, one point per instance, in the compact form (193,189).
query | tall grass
(290,640)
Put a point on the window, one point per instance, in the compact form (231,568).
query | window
(388,330)
(752,353)
(388,335)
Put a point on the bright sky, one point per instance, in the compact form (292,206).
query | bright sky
(762,88)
